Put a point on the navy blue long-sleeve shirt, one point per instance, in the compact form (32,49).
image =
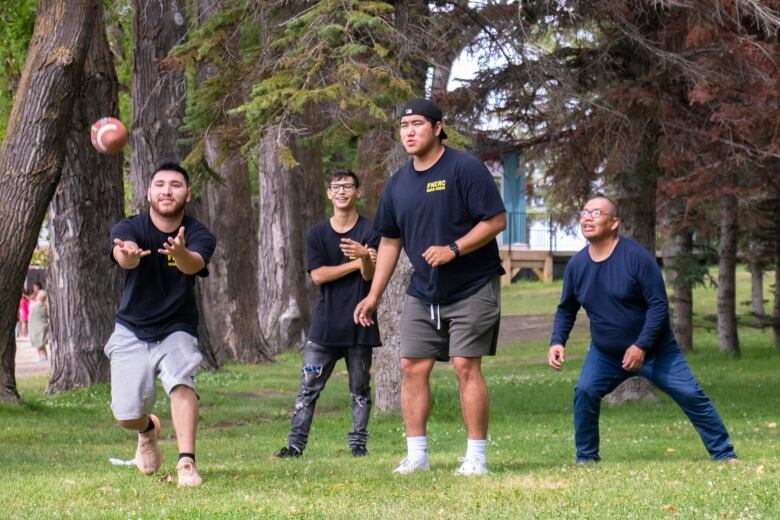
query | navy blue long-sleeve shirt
(624,297)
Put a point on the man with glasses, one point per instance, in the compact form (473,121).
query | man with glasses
(620,286)
(341,255)
(443,208)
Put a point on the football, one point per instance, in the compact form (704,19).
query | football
(109,136)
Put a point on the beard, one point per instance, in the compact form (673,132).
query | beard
(169,211)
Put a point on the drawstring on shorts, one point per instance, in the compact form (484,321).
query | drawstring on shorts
(437,317)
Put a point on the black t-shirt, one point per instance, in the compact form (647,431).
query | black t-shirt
(435,207)
(332,324)
(158,299)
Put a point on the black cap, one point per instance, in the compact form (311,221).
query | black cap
(426,108)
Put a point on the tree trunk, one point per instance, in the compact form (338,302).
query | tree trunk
(89,199)
(231,288)
(158,92)
(636,205)
(757,291)
(373,150)
(292,198)
(776,309)
(387,359)
(33,151)
(682,296)
(728,337)
(678,248)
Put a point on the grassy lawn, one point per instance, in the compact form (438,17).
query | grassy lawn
(54,450)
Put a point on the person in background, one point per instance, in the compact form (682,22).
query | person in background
(24,314)
(39,321)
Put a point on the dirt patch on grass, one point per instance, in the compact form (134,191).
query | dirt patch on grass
(532,327)
(263,393)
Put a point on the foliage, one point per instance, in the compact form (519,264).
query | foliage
(17,20)
(581,86)
(40,257)
(330,64)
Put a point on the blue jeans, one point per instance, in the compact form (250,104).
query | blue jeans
(667,370)
(318,363)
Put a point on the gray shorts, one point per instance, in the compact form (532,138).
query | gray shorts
(466,328)
(135,364)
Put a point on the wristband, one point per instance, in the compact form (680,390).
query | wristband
(455,249)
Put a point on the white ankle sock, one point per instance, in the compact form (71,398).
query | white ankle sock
(416,447)
(475,449)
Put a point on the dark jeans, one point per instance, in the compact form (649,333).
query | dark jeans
(668,370)
(318,363)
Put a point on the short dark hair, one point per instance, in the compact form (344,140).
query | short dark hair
(343,172)
(175,167)
(611,202)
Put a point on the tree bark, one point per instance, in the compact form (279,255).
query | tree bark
(776,309)
(373,150)
(728,337)
(231,288)
(636,197)
(682,295)
(678,247)
(89,199)
(387,359)
(158,92)
(291,200)
(33,151)
(757,291)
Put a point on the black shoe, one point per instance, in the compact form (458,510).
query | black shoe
(289,452)
(359,451)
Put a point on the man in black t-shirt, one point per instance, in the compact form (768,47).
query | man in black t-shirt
(444,210)
(341,254)
(161,251)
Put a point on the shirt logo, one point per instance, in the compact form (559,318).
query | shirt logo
(436,186)
(171,261)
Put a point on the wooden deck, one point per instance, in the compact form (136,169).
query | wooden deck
(540,262)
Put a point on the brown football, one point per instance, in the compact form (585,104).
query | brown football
(109,135)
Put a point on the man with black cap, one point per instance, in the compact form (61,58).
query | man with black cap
(444,209)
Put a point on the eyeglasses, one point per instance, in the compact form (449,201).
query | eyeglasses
(595,213)
(346,187)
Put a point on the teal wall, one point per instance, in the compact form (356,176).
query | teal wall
(514,199)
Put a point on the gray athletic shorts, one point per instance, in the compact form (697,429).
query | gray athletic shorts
(135,364)
(466,328)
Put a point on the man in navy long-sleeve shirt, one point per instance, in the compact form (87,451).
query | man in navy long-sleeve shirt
(620,286)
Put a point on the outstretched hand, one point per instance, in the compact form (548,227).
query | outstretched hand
(174,246)
(130,250)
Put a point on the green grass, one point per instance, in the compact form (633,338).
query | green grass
(54,450)
(530,297)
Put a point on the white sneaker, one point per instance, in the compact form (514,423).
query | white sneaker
(471,467)
(408,465)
